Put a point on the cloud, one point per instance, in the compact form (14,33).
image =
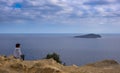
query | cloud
(101,2)
(95,2)
(57,10)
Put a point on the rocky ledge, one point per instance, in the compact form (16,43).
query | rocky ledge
(11,65)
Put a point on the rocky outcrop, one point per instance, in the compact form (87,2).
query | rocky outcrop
(11,65)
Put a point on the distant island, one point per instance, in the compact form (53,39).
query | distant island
(89,36)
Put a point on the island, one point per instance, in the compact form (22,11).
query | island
(89,36)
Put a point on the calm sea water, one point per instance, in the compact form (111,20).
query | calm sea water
(77,51)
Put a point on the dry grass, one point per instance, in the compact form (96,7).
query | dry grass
(11,65)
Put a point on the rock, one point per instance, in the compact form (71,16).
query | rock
(74,65)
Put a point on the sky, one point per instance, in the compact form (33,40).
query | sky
(59,16)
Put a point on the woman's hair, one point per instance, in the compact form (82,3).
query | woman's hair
(17,45)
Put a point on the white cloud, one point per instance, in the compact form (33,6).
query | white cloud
(60,10)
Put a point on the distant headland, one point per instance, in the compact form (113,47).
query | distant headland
(89,36)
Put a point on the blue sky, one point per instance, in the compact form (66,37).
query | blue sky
(59,16)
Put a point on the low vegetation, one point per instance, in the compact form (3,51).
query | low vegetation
(54,56)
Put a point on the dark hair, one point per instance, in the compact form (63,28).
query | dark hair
(17,45)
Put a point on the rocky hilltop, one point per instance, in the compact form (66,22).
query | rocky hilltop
(11,65)
(89,36)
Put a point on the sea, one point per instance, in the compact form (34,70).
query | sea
(78,51)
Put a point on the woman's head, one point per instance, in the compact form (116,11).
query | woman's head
(17,45)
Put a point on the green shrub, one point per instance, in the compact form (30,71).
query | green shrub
(54,56)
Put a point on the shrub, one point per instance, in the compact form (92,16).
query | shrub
(54,56)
